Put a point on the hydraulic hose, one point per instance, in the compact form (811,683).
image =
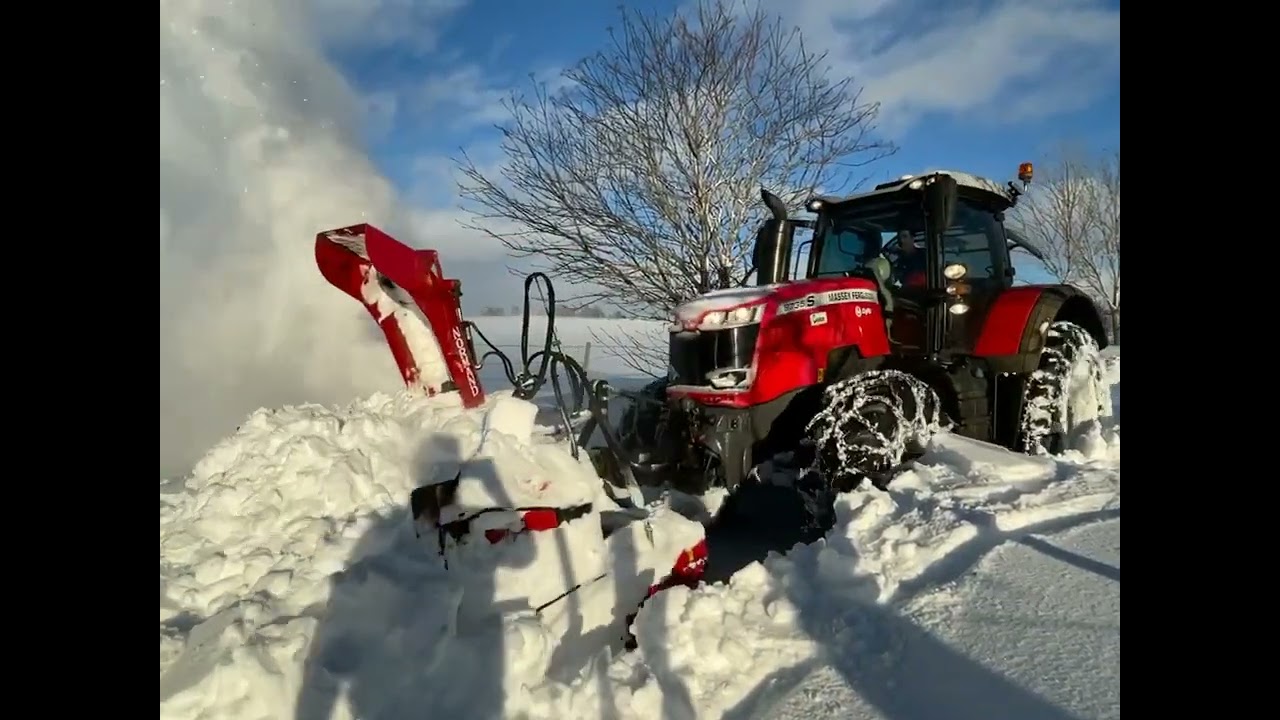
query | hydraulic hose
(550,360)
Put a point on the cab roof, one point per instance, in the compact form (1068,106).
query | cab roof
(963,179)
(990,188)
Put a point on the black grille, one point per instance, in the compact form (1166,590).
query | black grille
(694,354)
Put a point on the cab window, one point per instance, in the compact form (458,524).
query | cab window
(844,250)
(973,233)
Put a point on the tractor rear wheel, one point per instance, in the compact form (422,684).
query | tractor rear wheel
(869,426)
(1066,394)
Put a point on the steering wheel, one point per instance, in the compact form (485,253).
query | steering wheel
(861,271)
(893,253)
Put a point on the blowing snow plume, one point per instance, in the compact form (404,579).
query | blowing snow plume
(259,150)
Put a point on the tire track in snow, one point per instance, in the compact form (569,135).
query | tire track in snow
(962,501)
(963,558)
(964,498)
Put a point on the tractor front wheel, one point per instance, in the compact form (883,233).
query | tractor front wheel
(1066,394)
(869,426)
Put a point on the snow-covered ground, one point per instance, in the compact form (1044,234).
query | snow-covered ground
(606,337)
(984,585)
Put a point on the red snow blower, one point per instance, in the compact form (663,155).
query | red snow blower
(420,313)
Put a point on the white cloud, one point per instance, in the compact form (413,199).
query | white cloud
(259,150)
(1009,60)
(463,98)
(413,25)
(444,229)
(380,110)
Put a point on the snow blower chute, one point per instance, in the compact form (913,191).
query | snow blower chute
(420,313)
(406,293)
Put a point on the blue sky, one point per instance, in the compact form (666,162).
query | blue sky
(978,85)
(281,118)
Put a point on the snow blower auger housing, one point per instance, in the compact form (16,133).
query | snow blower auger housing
(903,315)
(420,313)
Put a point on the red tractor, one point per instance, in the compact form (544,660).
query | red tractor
(844,358)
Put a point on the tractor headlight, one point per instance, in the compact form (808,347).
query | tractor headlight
(954,271)
(745,314)
(957,308)
(722,319)
(726,379)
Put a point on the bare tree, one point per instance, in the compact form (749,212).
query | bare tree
(1100,256)
(1056,215)
(638,178)
(1073,214)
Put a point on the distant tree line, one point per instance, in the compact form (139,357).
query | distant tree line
(589,311)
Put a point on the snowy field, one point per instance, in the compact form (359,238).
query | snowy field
(985,585)
(605,337)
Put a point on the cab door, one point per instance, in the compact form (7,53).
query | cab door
(975,241)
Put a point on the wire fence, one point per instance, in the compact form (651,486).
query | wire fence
(579,351)
(583,352)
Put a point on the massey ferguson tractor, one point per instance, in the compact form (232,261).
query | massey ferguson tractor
(899,315)
(904,309)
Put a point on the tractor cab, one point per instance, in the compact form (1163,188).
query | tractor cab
(935,244)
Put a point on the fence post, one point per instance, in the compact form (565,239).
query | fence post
(586,359)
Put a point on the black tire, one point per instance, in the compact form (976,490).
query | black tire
(869,426)
(1066,392)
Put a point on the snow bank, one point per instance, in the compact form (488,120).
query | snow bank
(718,649)
(292,585)
(265,527)
(735,649)
(291,579)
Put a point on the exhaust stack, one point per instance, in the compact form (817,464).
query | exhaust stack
(773,243)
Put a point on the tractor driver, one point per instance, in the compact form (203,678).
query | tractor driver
(908,263)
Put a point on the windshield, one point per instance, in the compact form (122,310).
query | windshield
(858,233)
(894,227)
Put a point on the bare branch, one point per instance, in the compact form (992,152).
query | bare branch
(1100,254)
(646,353)
(1055,214)
(1073,214)
(639,178)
